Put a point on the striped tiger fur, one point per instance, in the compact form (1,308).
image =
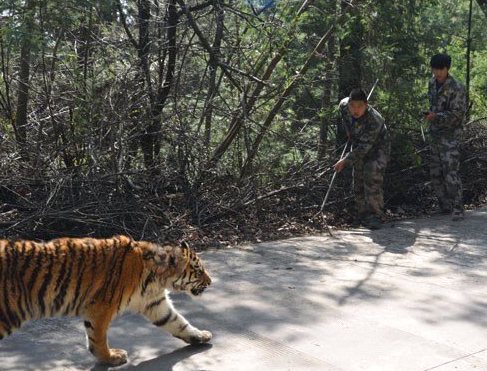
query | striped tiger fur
(97,279)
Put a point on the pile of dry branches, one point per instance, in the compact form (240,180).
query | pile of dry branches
(219,210)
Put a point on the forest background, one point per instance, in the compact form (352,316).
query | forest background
(216,121)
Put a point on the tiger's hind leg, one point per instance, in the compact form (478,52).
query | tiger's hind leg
(4,331)
(6,325)
(96,326)
(162,314)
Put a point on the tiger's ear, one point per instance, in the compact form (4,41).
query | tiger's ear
(162,256)
(172,260)
(184,245)
(148,255)
(167,260)
(124,240)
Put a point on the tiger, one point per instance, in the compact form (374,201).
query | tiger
(97,279)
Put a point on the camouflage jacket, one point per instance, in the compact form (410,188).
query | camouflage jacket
(369,134)
(449,103)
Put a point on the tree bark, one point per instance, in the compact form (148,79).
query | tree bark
(329,86)
(326,100)
(20,126)
(166,84)
(483,5)
(469,49)
(147,138)
(6,104)
(151,136)
(213,64)
(350,62)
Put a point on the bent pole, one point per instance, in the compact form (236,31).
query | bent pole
(372,90)
(332,180)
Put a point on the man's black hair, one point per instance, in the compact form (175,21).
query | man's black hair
(358,94)
(440,61)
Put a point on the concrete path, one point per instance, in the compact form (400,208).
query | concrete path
(411,296)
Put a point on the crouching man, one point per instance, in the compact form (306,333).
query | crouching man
(369,156)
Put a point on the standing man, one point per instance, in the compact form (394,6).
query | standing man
(370,152)
(446,115)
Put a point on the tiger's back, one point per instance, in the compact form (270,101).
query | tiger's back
(60,277)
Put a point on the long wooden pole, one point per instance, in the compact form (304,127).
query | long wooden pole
(469,47)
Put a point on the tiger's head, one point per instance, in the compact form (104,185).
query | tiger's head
(193,277)
(180,268)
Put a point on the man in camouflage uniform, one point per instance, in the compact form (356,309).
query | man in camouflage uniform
(446,116)
(370,152)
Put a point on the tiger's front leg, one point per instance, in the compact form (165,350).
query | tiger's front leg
(162,314)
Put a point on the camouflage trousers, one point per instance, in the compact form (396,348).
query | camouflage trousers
(368,185)
(444,172)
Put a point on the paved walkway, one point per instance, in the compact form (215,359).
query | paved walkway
(411,296)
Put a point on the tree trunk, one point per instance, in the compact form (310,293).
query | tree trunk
(151,137)
(165,85)
(6,104)
(20,126)
(469,48)
(326,102)
(350,62)
(483,5)
(146,141)
(328,118)
(212,88)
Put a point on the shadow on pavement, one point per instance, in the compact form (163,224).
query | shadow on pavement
(396,238)
(164,362)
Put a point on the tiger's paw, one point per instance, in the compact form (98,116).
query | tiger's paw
(199,337)
(117,357)
(203,337)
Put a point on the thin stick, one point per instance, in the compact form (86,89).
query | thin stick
(332,180)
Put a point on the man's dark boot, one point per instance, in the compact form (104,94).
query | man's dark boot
(372,222)
(445,207)
(457,215)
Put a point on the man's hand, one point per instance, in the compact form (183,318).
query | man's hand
(340,165)
(430,116)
